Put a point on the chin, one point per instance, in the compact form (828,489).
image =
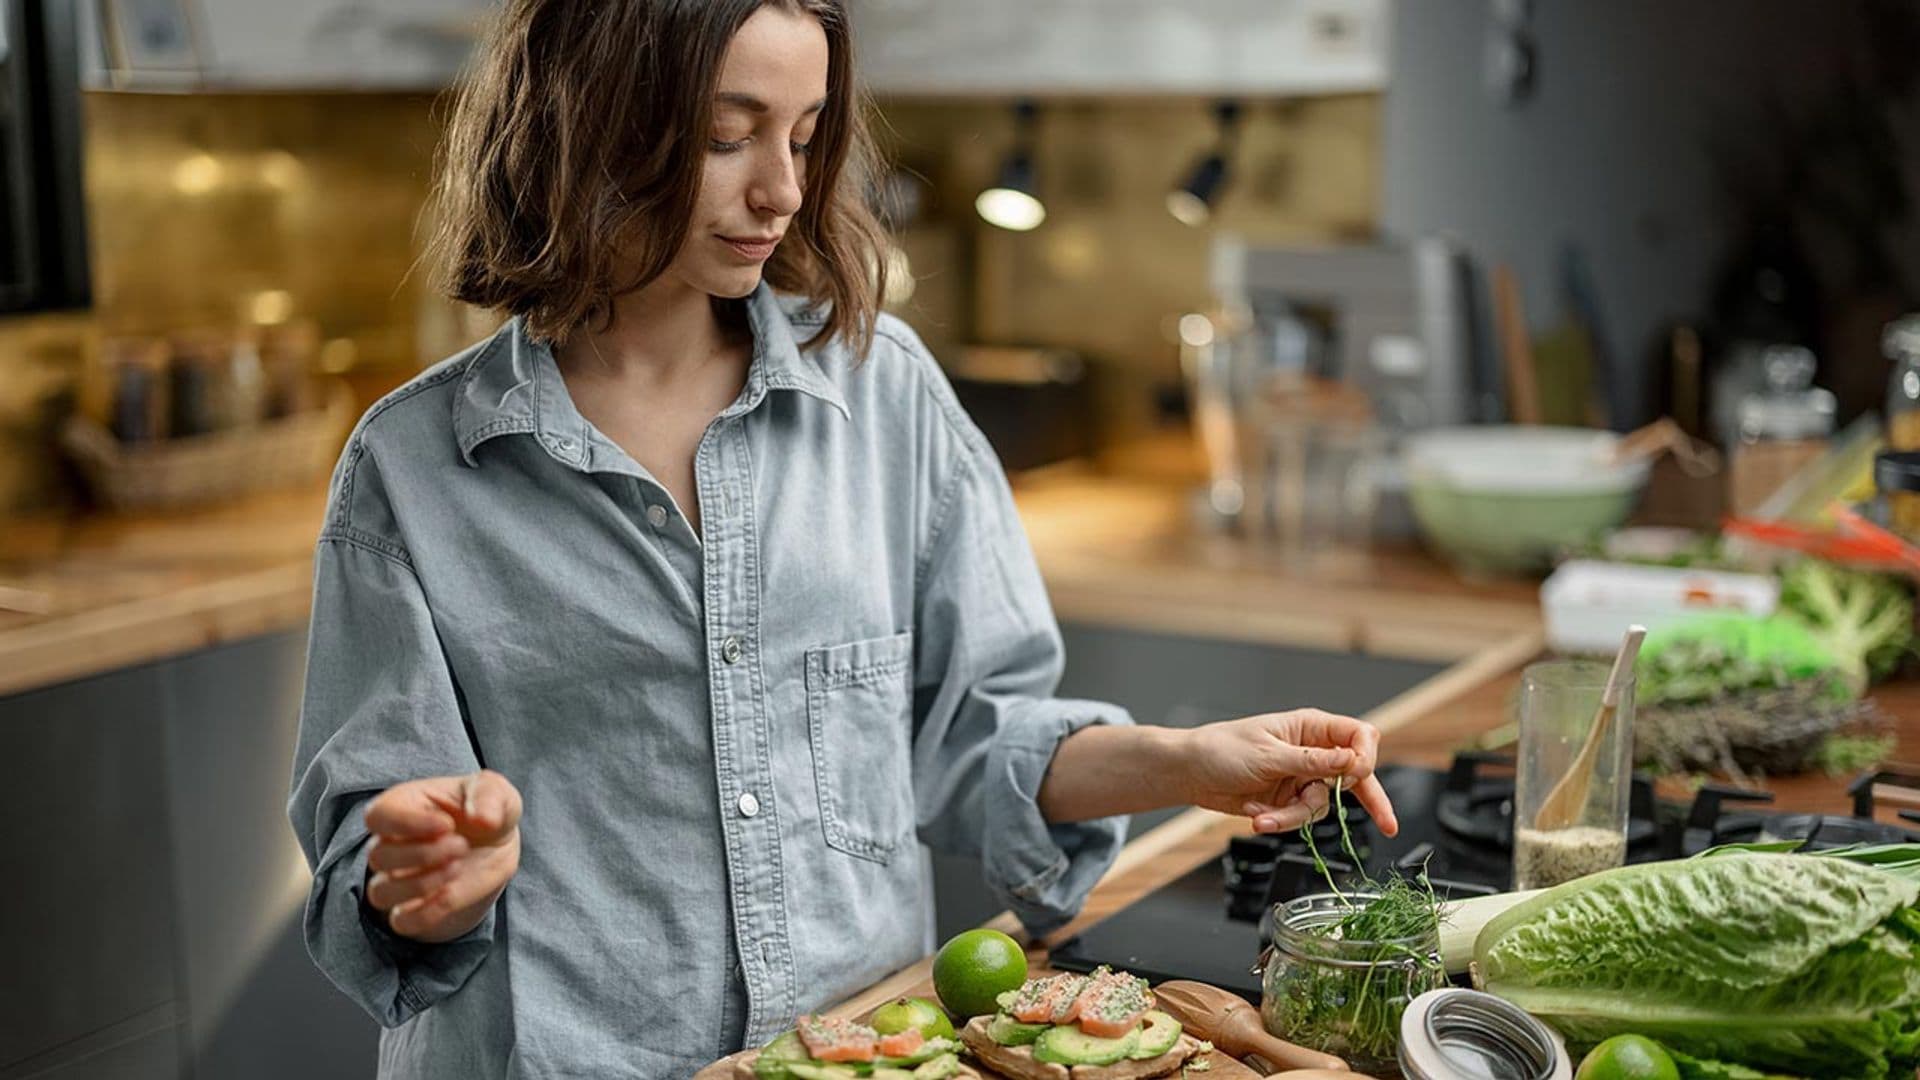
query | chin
(732,286)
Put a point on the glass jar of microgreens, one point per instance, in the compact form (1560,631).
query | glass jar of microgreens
(1342,969)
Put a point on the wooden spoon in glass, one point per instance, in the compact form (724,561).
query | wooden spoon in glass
(1562,806)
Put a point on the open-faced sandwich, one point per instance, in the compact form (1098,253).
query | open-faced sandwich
(1101,1026)
(819,1048)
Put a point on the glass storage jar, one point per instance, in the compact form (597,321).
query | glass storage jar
(1338,996)
(1901,343)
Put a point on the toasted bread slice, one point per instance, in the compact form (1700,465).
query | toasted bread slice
(1018,1062)
(743,1068)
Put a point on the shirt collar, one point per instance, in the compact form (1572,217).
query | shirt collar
(513,385)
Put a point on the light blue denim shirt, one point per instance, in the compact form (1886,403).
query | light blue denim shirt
(731,746)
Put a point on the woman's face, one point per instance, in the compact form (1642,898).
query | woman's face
(773,85)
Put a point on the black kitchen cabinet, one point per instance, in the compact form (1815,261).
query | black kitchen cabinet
(86,916)
(150,926)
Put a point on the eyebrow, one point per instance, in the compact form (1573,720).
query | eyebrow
(754,104)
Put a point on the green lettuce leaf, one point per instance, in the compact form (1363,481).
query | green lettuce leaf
(1775,961)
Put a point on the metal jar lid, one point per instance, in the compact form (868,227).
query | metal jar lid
(1456,1034)
(1897,470)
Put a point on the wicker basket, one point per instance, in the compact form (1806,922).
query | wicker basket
(284,452)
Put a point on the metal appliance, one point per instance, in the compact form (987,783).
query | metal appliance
(1305,331)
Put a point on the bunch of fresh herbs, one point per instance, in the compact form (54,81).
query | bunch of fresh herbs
(1385,946)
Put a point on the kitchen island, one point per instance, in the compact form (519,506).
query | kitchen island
(229,587)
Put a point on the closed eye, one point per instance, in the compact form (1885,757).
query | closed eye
(720,146)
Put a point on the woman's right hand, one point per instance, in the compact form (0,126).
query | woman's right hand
(443,849)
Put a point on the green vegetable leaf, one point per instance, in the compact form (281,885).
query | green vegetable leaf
(1795,963)
(1864,619)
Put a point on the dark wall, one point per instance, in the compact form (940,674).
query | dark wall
(1615,153)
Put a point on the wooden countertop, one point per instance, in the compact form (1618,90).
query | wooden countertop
(81,595)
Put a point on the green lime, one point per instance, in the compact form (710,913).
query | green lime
(1628,1057)
(975,967)
(917,1013)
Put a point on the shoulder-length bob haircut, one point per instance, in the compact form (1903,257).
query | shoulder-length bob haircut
(575,152)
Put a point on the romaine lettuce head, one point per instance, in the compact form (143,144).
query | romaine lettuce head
(1794,963)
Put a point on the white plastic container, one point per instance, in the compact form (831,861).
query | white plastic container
(1588,605)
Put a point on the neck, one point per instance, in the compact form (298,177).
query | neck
(659,332)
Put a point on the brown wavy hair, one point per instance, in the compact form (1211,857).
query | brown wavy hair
(574,154)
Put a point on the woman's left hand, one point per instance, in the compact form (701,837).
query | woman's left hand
(1279,768)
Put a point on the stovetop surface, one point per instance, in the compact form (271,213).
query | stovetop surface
(1454,823)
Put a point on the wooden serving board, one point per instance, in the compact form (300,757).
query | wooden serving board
(1224,1068)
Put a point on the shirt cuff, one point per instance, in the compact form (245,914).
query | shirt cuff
(392,977)
(1043,872)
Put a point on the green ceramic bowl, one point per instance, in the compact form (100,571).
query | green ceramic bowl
(1506,499)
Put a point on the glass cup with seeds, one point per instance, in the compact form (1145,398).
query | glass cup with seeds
(1574,776)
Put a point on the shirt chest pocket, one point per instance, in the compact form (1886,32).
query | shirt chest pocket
(860,726)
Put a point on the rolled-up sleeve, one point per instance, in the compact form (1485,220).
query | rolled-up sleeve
(380,707)
(986,723)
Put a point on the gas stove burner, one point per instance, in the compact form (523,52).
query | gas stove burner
(1897,786)
(1476,808)
(1823,831)
(1480,808)
(1710,823)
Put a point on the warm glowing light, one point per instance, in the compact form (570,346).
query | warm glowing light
(270,307)
(1188,208)
(900,283)
(1010,209)
(197,175)
(279,169)
(1195,329)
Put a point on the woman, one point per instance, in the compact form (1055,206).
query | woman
(721,588)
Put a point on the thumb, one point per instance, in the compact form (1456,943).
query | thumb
(490,807)
(416,809)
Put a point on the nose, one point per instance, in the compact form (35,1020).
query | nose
(776,187)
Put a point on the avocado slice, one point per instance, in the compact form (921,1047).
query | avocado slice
(929,1050)
(939,1068)
(1158,1033)
(1068,1045)
(1007,1031)
(777,1055)
(804,1070)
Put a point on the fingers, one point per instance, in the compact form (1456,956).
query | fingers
(490,807)
(1316,727)
(399,856)
(415,810)
(1374,797)
(484,807)
(449,910)
(387,890)
(1289,807)
(1310,762)
(1268,819)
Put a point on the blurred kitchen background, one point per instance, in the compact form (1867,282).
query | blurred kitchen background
(1274,287)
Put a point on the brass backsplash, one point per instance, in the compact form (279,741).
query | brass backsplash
(1110,271)
(207,209)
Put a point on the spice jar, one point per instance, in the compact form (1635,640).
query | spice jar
(1782,427)
(138,407)
(1901,343)
(1339,996)
(1897,475)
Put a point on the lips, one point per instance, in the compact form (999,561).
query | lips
(753,249)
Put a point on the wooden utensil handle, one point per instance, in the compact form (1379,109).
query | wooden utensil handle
(1282,1054)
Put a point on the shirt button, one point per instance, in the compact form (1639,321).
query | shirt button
(730,649)
(749,806)
(656,516)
